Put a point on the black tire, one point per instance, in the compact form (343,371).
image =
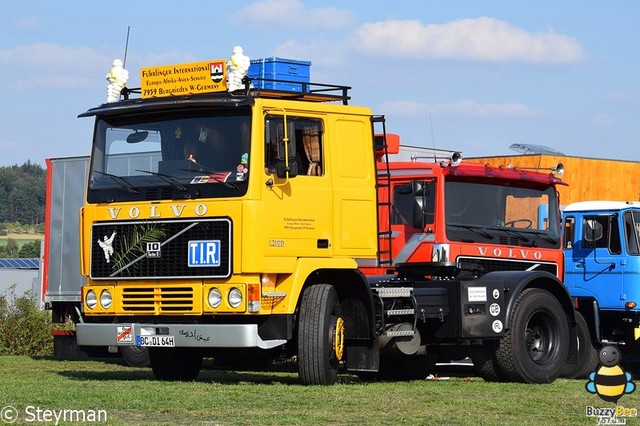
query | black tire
(175,364)
(485,364)
(534,348)
(587,353)
(135,356)
(320,336)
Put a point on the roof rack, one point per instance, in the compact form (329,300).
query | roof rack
(306,91)
(283,89)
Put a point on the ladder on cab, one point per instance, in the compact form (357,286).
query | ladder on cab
(385,256)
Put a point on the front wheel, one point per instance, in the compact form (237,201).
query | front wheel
(535,348)
(135,356)
(320,336)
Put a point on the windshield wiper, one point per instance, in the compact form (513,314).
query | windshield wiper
(171,180)
(544,235)
(473,228)
(120,181)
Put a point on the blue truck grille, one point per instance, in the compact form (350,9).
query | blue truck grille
(161,249)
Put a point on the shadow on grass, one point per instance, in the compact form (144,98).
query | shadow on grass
(205,376)
(208,374)
(115,360)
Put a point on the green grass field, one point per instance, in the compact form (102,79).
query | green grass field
(131,396)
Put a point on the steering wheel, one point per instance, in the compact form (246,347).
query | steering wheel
(511,223)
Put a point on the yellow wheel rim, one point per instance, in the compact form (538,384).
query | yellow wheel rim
(338,339)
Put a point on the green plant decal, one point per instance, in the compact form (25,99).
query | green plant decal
(132,249)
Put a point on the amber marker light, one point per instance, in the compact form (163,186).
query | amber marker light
(253,297)
(630,305)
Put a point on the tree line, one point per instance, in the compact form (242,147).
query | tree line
(22,206)
(22,194)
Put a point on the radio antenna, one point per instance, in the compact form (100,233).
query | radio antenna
(126,47)
(433,140)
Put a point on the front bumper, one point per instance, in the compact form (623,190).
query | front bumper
(184,335)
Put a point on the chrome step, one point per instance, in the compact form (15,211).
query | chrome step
(409,311)
(400,333)
(387,292)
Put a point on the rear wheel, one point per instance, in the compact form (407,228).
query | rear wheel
(320,336)
(535,348)
(587,353)
(175,364)
(485,364)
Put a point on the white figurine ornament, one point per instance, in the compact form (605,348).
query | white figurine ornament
(117,79)
(237,68)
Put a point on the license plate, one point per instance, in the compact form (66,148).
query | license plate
(162,341)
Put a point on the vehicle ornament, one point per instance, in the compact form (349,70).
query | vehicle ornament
(107,246)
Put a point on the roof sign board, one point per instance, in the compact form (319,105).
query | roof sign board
(183,79)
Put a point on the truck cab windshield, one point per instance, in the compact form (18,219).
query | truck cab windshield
(162,155)
(500,214)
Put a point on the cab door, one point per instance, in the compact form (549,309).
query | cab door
(631,255)
(597,261)
(297,195)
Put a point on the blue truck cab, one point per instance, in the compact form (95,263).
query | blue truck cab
(602,274)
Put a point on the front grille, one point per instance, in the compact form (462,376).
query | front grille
(493,264)
(157,249)
(160,299)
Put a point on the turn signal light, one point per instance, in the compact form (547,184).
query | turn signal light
(253,297)
(630,305)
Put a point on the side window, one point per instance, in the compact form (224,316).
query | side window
(631,232)
(569,232)
(402,209)
(405,201)
(304,146)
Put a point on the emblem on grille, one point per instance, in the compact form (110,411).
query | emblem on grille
(107,245)
(154,249)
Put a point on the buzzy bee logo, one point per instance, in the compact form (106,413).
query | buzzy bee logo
(610,382)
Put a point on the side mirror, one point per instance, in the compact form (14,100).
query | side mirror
(592,230)
(417,187)
(282,171)
(417,218)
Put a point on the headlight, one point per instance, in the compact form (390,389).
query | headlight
(235,297)
(105,299)
(214,297)
(90,299)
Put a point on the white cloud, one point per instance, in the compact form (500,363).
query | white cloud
(52,66)
(467,108)
(293,14)
(47,65)
(479,39)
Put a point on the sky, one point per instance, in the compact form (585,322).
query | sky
(472,75)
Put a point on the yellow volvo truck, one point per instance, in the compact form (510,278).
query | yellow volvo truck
(256,223)
(217,221)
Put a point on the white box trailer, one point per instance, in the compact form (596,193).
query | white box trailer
(66,180)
